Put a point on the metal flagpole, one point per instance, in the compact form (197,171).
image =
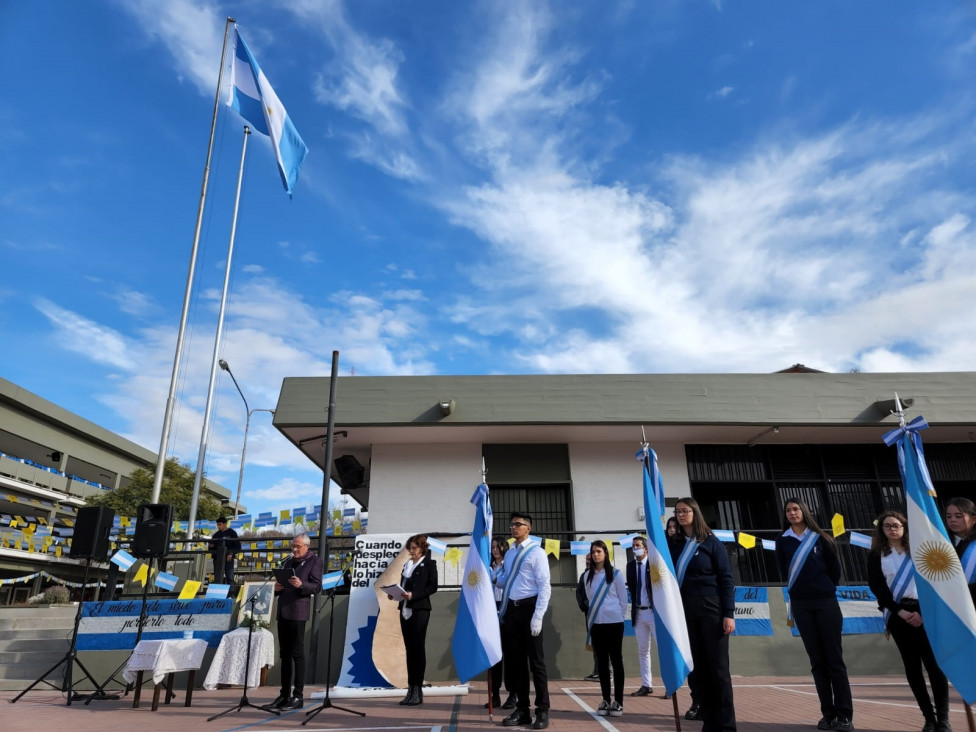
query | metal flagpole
(205,429)
(171,398)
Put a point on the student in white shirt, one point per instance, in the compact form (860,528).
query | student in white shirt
(606,595)
(641,611)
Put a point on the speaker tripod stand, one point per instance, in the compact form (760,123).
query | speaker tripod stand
(69,660)
(245,702)
(327,701)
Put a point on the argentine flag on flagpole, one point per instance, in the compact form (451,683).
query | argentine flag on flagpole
(947,608)
(671,630)
(477,642)
(252,97)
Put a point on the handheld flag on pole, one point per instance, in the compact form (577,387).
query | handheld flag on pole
(671,630)
(476,643)
(950,618)
(252,97)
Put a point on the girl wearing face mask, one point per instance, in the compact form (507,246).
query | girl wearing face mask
(961,520)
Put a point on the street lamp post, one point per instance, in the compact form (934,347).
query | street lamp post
(247,426)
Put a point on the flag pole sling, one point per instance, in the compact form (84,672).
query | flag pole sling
(205,429)
(181,333)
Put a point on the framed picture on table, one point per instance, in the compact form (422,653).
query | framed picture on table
(263,593)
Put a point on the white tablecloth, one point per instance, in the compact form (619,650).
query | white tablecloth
(228,663)
(163,657)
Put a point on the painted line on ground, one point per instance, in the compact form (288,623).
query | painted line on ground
(592,712)
(861,701)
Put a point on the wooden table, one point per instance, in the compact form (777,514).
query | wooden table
(164,658)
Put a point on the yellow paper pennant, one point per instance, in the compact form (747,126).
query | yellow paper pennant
(189,590)
(142,575)
(609,551)
(747,540)
(240,595)
(57,551)
(837,524)
(511,542)
(552,547)
(452,555)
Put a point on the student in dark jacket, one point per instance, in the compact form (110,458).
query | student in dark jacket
(808,559)
(891,577)
(708,596)
(961,520)
(419,581)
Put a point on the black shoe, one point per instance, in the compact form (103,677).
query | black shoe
(826,723)
(843,724)
(276,704)
(296,702)
(694,712)
(496,703)
(510,703)
(643,691)
(541,720)
(406,697)
(592,677)
(930,726)
(415,697)
(943,726)
(518,718)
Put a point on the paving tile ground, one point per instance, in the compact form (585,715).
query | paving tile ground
(763,704)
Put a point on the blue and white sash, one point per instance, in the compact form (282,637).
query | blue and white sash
(968,560)
(796,565)
(516,565)
(684,559)
(899,583)
(599,596)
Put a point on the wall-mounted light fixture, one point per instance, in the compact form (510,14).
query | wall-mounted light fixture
(447,406)
(756,438)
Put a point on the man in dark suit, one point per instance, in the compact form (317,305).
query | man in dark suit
(294,608)
(641,611)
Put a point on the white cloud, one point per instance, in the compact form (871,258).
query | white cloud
(77,333)
(289,492)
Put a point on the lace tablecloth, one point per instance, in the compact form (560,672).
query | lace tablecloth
(164,657)
(228,663)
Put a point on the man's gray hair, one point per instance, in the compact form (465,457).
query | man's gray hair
(304,537)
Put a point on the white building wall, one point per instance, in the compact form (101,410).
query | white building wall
(608,487)
(419,488)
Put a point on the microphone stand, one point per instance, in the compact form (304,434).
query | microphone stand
(327,701)
(244,702)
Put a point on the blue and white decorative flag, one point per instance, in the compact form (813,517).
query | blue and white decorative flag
(627,541)
(477,643)
(861,540)
(253,98)
(947,608)
(671,631)
(724,535)
(332,579)
(769,545)
(579,548)
(123,559)
(217,591)
(436,545)
(166,581)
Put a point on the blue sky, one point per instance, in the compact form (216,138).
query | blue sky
(491,187)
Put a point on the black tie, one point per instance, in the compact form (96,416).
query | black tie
(640,579)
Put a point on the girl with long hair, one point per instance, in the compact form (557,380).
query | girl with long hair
(891,577)
(808,559)
(606,595)
(708,595)
(498,549)
(961,520)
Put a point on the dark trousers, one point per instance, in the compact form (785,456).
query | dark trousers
(523,653)
(498,671)
(224,575)
(608,642)
(710,654)
(916,651)
(414,633)
(291,650)
(820,624)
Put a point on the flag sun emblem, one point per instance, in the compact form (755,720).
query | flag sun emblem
(936,561)
(657,572)
(474,578)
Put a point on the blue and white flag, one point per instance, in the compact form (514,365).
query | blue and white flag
(166,581)
(477,643)
(217,591)
(436,545)
(947,608)
(123,559)
(861,540)
(253,98)
(332,579)
(579,548)
(671,631)
(724,535)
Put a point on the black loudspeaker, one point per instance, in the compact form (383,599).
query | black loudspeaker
(153,521)
(351,472)
(92,527)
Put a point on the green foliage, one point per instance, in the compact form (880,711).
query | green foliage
(56,595)
(177,489)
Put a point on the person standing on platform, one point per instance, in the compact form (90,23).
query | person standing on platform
(891,577)
(808,560)
(224,575)
(525,599)
(641,611)
(606,601)
(708,595)
(419,580)
(294,609)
